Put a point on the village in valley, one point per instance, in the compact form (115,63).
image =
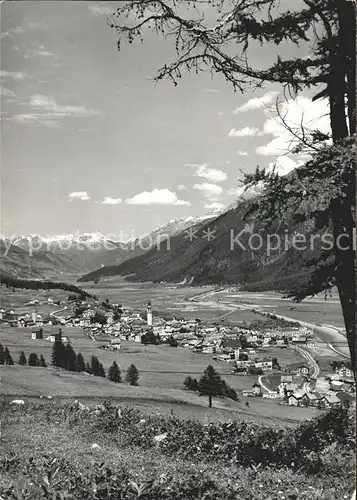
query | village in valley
(257,349)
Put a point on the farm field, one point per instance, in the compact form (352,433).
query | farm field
(19,299)
(170,298)
(272,381)
(313,310)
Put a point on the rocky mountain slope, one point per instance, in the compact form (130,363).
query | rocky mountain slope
(222,251)
(17,262)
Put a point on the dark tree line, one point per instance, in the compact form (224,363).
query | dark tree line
(33,360)
(11,282)
(5,356)
(64,356)
(131,376)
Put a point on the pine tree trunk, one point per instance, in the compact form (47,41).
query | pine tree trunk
(210,401)
(345,270)
(342,82)
(347,49)
(340,68)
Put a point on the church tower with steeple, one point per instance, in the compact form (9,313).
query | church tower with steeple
(149,314)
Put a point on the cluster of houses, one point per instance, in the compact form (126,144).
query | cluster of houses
(29,319)
(222,341)
(335,390)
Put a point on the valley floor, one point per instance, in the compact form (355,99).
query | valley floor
(162,368)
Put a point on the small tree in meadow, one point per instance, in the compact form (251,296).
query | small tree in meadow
(94,364)
(101,370)
(59,354)
(33,360)
(132,375)
(70,359)
(2,359)
(80,364)
(210,384)
(89,368)
(191,383)
(22,359)
(7,357)
(97,368)
(114,373)
(43,362)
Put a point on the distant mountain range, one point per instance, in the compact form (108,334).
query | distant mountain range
(35,256)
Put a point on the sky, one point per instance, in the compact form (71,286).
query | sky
(89,143)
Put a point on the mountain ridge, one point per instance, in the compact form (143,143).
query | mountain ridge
(212,255)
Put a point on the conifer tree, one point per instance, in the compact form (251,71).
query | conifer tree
(80,364)
(2,360)
(22,359)
(114,373)
(7,357)
(70,359)
(59,354)
(132,375)
(191,383)
(101,370)
(89,368)
(210,384)
(97,367)
(33,360)
(42,362)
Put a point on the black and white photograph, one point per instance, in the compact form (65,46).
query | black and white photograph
(178,250)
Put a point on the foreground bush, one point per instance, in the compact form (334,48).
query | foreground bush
(220,461)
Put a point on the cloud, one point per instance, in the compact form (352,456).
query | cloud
(111,201)
(242,153)
(18,30)
(211,174)
(6,92)
(181,187)
(50,108)
(78,195)
(246,193)
(256,103)
(100,10)
(314,115)
(213,91)
(215,207)
(157,197)
(47,112)
(30,119)
(283,165)
(39,51)
(209,191)
(37,25)
(27,24)
(244,132)
(13,75)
